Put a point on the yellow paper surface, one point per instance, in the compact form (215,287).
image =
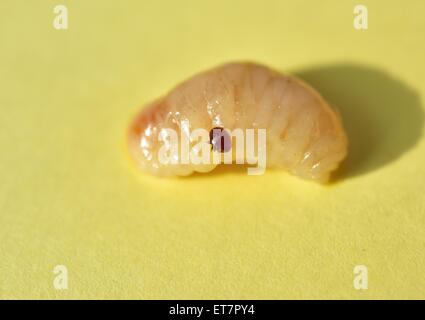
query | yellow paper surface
(69,195)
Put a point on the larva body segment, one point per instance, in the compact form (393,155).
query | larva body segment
(304,135)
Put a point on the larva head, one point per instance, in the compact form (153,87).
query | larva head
(163,143)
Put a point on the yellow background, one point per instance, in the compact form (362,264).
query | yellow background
(69,194)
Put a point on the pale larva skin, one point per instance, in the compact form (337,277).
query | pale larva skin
(304,135)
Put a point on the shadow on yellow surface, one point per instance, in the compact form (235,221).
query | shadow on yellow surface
(383,116)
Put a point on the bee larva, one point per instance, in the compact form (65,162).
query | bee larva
(303,134)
